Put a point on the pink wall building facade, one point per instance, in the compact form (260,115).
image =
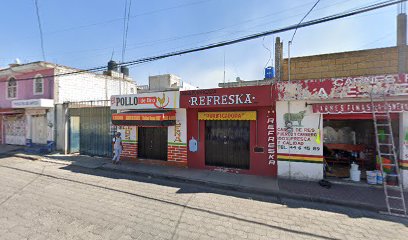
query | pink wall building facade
(26,104)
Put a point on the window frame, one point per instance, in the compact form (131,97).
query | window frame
(7,88)
(34,84)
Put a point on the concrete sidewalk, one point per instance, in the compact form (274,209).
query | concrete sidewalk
(350,195)
(9,149)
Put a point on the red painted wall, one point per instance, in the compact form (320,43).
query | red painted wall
(264,105)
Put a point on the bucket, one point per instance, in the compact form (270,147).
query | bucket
(371,177)
(380,177)
(354,167)
(355,175)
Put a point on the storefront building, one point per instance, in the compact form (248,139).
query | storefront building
(36,126)
(335,114)
(231,129)
(152,126)
(12,126)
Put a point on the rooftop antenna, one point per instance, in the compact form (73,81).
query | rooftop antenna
(113,52)
(223,81)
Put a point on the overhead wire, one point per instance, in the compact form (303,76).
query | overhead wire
(242,39)
(170,39)
(128,5)
(37,11)
(311,9)
(127,29)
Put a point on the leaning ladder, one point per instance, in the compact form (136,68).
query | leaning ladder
(394,194)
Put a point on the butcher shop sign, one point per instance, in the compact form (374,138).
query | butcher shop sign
(360,107)
(340,88)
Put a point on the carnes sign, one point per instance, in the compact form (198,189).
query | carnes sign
(226,97)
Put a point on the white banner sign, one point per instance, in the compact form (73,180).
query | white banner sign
(33,103)
(156,100)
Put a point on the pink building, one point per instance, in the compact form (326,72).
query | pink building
(26,104)
(29,93)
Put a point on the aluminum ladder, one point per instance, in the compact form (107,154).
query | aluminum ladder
(394,194)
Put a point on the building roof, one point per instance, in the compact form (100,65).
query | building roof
(40,65)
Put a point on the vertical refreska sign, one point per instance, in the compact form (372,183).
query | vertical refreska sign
(271,129)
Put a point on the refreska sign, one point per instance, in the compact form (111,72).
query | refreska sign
(227,97)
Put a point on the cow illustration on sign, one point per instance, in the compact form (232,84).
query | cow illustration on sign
(289,118)
(162,101)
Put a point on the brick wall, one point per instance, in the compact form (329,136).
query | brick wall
(177,153)
(129,150)
(355,63)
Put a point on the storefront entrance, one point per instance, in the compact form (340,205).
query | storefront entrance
(351,138)
(39,129)
(14,130)
(227,144)
(152,143)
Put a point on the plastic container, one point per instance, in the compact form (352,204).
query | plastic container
(354,167)
(380,177)
(371,177)
(355,175)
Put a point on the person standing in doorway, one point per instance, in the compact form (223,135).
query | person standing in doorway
(117,147)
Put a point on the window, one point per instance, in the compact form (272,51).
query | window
(38,85)
(12,88)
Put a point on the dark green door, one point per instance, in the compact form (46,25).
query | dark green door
(152,143)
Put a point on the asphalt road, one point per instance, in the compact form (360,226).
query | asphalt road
(40,200)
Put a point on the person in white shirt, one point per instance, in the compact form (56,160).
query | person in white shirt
(117,147)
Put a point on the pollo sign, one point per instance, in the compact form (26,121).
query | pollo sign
(156,100)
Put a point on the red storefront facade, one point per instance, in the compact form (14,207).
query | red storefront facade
(231,129)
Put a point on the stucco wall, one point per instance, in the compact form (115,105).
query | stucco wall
(25,88)
(88,86)
(300,152)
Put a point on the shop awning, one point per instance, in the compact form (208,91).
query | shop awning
(145,119)
(11,112)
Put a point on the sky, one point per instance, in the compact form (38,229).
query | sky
(88,33)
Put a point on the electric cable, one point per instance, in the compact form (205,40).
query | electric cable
(239,40)
(127,30)
(37,11)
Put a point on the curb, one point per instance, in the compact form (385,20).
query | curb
(281,194)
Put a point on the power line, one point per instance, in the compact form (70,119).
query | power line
(304,18)
(126,26)
(132,16)
(165,40)
(40,28)
(242,39)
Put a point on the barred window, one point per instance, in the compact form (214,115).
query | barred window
(12,88)
(39,85)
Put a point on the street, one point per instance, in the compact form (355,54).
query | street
(42,200)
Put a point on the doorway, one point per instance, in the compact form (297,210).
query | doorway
(152,143)
(74,136)
(39,129)
(227,144)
